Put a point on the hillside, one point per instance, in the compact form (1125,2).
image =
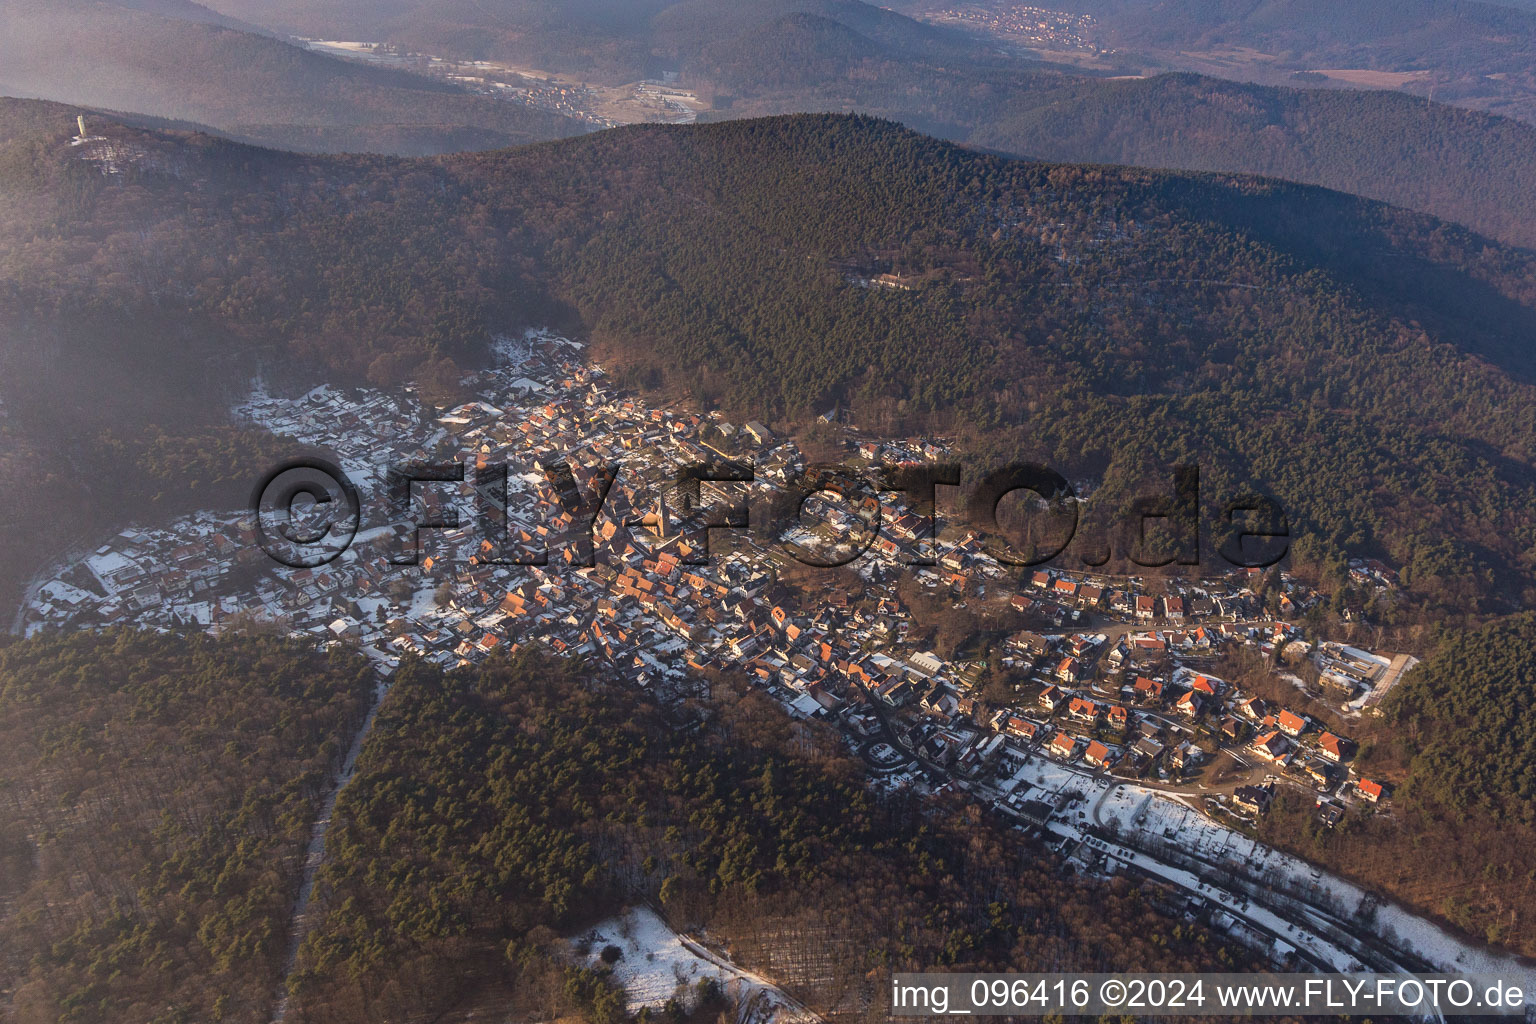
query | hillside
(781,57)
(1471,53)
(1109,321)
(609,40)
(159,791)
(1460,165)
(1457,164)
(185,62)
(1459,747)
(501,808)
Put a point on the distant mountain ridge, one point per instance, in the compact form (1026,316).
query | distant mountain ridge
(611,40)
(1388,34)
(180,60)
(1473,54)
(180,10)
(794,55)
(1462,165)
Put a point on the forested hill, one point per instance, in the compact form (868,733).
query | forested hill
(784,56)
(159,791)
(160,788)
(1463,165)
(500,808)
(183,61)
(1368,365)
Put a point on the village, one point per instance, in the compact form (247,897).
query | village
(1021,23)
(1111,683)
(597,106)
(1108,705)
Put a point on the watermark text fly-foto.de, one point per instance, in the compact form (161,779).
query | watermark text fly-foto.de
(308,512)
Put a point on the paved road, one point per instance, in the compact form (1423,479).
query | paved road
(1116,630)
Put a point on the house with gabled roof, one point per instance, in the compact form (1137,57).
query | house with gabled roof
(1204,684)
(1021,728)
(1064,745)
(1097,754)
(1083,710)
(1253,799)
(1186,755)
(1191,704)
(1254,709)
(1319,772)
(1291,724)
(1272,747)
(1334,748)
(1372,791)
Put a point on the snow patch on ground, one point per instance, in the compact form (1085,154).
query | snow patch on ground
(1147,811)
(657,961)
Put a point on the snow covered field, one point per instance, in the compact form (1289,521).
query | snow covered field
(656,962)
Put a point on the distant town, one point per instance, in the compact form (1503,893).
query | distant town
(1037,27)
(660,100)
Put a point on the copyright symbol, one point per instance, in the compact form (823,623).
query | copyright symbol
(306,513)
(1112,992)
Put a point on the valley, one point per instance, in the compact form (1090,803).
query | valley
(678,512)
(1111,760)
